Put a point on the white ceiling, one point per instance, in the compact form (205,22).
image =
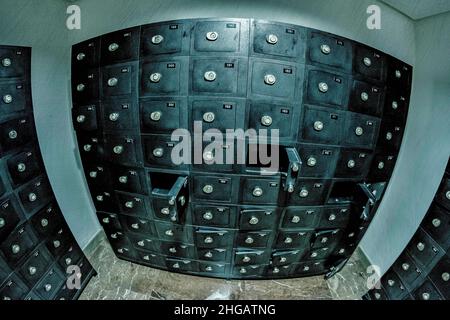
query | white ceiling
(419,9)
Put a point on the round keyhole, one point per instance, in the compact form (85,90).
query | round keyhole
(323,87)
(303,193)
(257,192)
(325,49)
(270,79)
(157,39)
(271,39)
(208,215)
(210,76)
(155,77)
(364,96)
(208,189)
(359,131)
(6,62)
(351,164)
(118,149)
(266,121)
(81,118)
(394,105)
(209,117)
(158,152)
(318,125)
(212,36)
(44,223)
(12,134)
(123,179)
(311,162)
(81,56)
(129,204)
(389,136)
(21,167)
(253,221)
(114,117)
(113,47)
(421,246)
(15,248)
(7,98)
(32,270)
(209,240)
(112,82)
(32,197)
(249,240)
(156,116)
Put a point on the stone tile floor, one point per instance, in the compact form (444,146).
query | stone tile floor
(122,280)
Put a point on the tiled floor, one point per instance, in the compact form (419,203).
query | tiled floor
(119,280)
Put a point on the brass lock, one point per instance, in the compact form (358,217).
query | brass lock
(311,162)
(318,125)
(212,36)
(12,134)
(81,56)
(303,193)
(6,62)
(157,39)
(21,167)
(295,219)
(32,197)
(364,96)
(266,121)
(209,117)
(44,223)
(156,116)
(270,79)
(155,77)
(208,240)
(114,116)
(351,164)
(32,270)
(359,131)
(210,76)
(253,221)
(271,39)
(323,87)
(7,98)
(208,215)
(113,47)
(257,192)
(158,152)
(118,149)
(129,204)
(112,82)
(325,49)
(81,118)
(80,87)
(208,189)
(123,179)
